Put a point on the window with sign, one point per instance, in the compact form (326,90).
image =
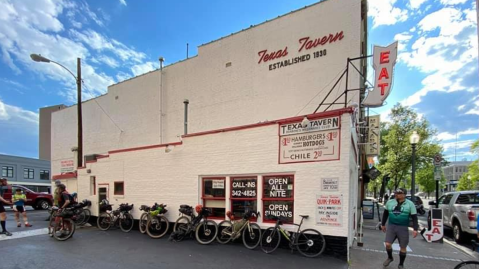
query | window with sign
(214,196)
(278,198)
(243,195)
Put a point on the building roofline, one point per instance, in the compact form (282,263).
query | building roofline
(21,157)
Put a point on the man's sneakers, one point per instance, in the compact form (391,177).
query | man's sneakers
(387,262)
(400,266)
(19,225)
(28,225)
(6,233)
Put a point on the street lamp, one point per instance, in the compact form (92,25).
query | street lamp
(39,58)
(413,140)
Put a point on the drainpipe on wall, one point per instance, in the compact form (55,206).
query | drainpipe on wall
(186,102)
(161,59)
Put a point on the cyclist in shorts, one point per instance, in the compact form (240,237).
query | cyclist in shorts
(18,200)
(3,215)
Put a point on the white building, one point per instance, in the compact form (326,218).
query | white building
(453,172)
(248,93)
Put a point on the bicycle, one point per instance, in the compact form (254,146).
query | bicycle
(81,214)
(231,230)
(120,217)
(61,226)
(205,230)
(309,243)
(145,216)
(157,224)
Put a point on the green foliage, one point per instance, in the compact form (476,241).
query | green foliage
(466,183)
(425,178)
(396,150)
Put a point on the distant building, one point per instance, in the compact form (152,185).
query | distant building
(31,173)
(44,128)
(453,173)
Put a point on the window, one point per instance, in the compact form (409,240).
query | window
(45,174)
(7,171)
(214,196)
(278,198)
(243,195)
(28,173)
(470,198)
(119,188)
(447,199)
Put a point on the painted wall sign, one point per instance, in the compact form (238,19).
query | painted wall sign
(372,148)
(330,184)
(310,147)
(305,44)
(282,209)
(313,126)
(67,166)
(278,187)
(329,210)
(218,184)
(243,188)
(384,59)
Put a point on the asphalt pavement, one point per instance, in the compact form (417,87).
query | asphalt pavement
(114,249)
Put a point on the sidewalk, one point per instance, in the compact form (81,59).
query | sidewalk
(423,255)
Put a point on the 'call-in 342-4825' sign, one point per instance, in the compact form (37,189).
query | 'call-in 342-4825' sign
(318,141)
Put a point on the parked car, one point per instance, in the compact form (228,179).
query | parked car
(36,200)
(460,211)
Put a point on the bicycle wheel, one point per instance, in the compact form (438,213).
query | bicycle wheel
(310,243)
(104,221)
(87,215)
(126,222)
(80,217)
(225,232)
(206,232)
(251,236)
(270,240)
(156,227)
(64,229)
(181,228)
(467,265)
(143,221)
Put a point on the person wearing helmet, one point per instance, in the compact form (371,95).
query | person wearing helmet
(56,195)
(3,215)
(19,199)
(398,210)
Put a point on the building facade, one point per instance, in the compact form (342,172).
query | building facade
(32,173)
(453,173)
(44,131)
(253,137)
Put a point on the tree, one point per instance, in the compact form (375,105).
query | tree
(425,178)
(468,181)
(396,151)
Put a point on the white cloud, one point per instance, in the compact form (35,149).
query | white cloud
(122,76)
(403,39)
(453,2)
(444,56)
(416,3)
(465,144)
(461,107)
(13,116)
(144,68)
(383,12)
(109,61)
(445,136)
(123,2)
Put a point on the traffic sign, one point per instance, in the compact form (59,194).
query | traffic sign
(437,173)
(437,159)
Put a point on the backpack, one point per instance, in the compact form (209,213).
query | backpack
(70,197)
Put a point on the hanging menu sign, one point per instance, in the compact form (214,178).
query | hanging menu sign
(243,188)
(278,198)
(329,210)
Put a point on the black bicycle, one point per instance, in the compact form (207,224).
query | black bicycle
(81,213)
(205,230)
(232,229)
(120,217)
(309,242)
(470,264)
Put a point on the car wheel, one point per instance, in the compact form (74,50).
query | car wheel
(457,232)
(42,205)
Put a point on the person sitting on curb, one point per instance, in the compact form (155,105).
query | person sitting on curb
(19,199)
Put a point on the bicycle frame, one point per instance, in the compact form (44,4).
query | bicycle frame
(292,240)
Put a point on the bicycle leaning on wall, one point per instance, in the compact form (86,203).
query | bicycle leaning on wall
(120,217)
(205,230)
(309,242)
(231,230)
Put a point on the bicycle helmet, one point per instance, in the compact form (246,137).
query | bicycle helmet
(199,208)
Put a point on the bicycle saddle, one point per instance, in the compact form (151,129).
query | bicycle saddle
(304,216)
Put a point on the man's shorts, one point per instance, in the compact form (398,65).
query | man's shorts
(2,209)
(399,232)
(20,208)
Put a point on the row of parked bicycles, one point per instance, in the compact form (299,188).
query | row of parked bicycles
(194,222)
(63,223)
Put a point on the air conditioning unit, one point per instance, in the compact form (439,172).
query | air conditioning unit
(91,157)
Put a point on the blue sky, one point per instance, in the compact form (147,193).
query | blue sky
(437,71)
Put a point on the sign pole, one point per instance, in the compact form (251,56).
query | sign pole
(437,175)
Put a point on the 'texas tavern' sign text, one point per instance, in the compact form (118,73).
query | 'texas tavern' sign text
(305,43)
